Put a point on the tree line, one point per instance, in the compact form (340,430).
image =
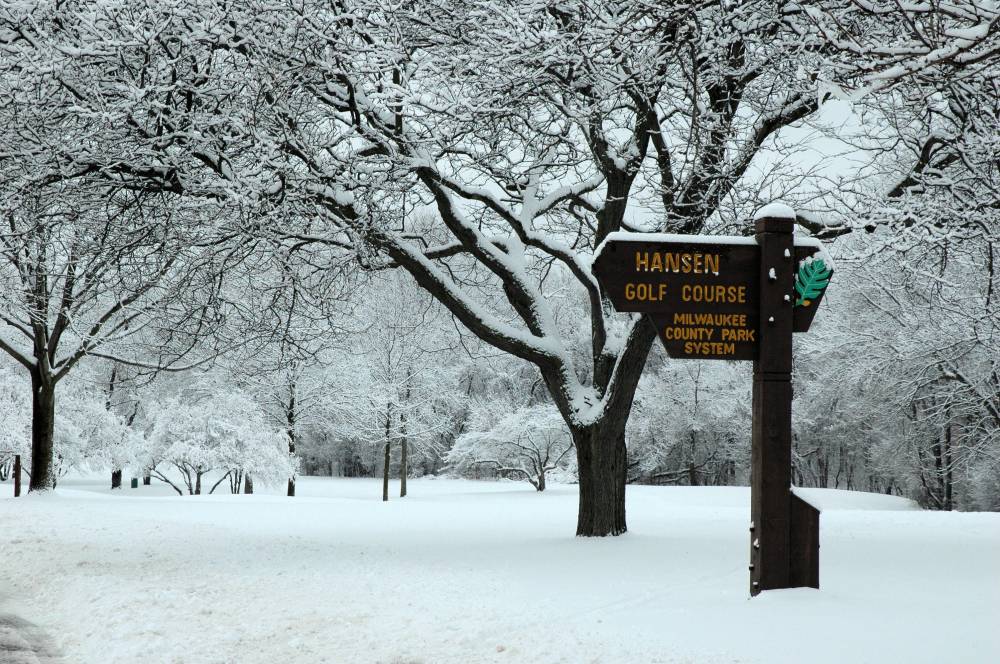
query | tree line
(220,187)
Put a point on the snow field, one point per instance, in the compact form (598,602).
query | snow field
(470,572)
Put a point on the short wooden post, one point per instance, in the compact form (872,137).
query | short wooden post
(17,475)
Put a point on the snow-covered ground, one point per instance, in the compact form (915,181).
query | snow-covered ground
(485,572)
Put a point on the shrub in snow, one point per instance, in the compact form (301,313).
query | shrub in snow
(226,432)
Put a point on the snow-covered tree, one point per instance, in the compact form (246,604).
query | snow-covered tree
(873,45)
(525,443)
(81,282)
(86,433)
(99,256)
(899,392)
(302,320)
(402,389)
(225,432)
(564,117)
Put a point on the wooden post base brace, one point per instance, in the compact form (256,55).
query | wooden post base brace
(798,565)
(803,544)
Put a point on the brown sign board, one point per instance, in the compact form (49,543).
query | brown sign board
(700,292)
(738,298)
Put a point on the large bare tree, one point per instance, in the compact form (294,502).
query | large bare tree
(530,134)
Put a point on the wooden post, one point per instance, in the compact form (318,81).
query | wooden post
(771,454)
(17,475)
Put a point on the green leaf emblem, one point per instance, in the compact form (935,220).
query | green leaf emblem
(812,279)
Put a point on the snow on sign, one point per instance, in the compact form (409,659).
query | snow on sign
(702,291)
(738,298)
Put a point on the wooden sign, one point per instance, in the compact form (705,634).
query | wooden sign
(700,292)
(737,298)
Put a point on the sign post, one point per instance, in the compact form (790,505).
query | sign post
(17,475)
(736,298)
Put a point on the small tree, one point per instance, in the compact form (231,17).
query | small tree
(180,437)
(250,450)
(401,385)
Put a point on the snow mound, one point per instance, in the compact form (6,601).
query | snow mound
(838,499)
(779,210)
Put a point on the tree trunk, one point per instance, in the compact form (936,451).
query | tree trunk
(236,482)
(291,452)
(197,482)
(403,468)
(948,503)
(290,420)
(602,463)
(247,484)
(540,486)
(43,416)
(692,470)
(385,474)
(228,476)
(116,473)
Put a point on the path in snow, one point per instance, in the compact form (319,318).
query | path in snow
(22,642)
